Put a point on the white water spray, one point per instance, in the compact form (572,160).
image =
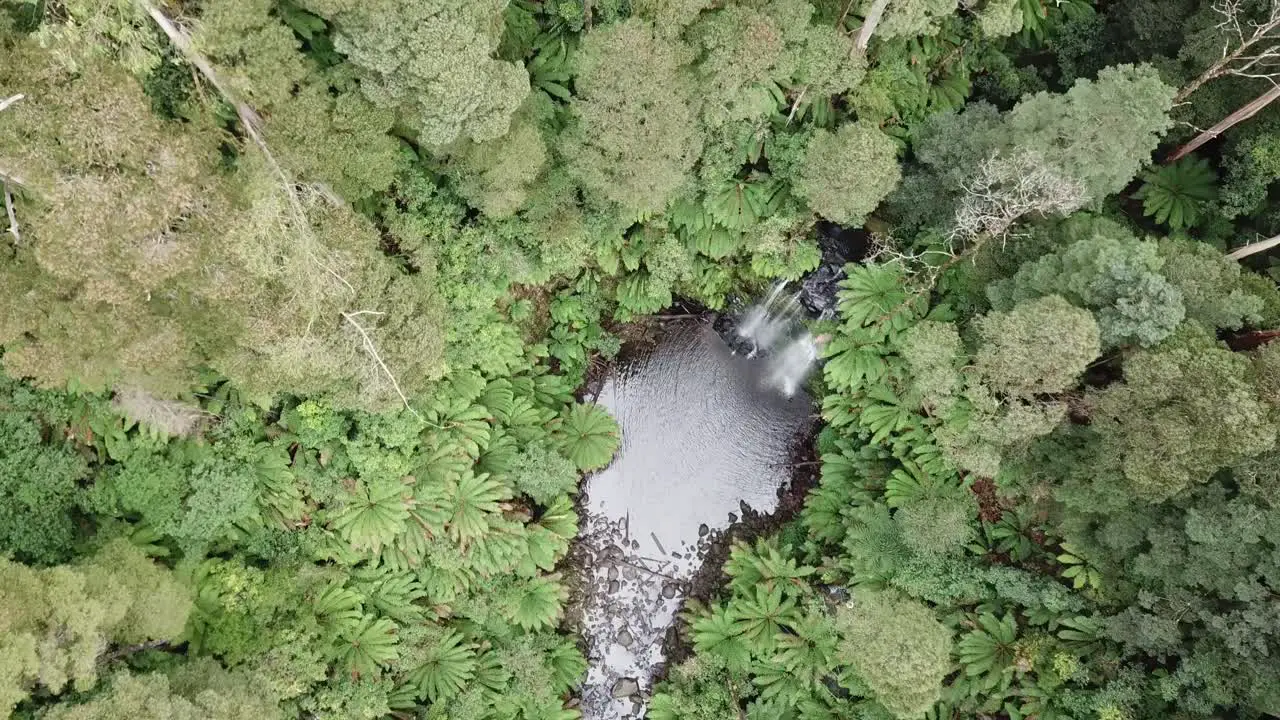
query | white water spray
(777,322)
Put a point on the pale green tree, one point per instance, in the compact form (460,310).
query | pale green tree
(897,647)
(1039,347)
(635,134)
(56,622)
(432,61)
(496,176)
(1100,132)
(906,18)
(845,174)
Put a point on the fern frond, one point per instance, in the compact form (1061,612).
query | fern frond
(447,666)
(366,646)
(588,436)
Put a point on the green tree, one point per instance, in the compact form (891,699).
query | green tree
(897,647)
(543,473)
(845,174)
(432,62)
(1186,409)
(1039,347)
(1100,265)
(1100,132)
(635,135)
(39,488)
(56,622)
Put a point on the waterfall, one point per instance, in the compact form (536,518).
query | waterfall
(778,322)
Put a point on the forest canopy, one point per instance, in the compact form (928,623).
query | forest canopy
(299,302)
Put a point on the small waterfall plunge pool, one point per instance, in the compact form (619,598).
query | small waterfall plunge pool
(705,432)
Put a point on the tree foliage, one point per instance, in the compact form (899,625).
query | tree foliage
(301,300)
(898,648)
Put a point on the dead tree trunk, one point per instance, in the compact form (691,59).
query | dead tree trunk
(1230,121)
(1252,248)
(869,26)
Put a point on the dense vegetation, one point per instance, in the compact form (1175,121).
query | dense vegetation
(296,295)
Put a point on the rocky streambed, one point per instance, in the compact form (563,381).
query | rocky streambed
(704,442)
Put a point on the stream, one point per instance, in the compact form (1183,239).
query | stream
(705,434)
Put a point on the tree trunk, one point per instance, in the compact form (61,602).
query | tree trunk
(1230,121)
(869,26)
(1251,248)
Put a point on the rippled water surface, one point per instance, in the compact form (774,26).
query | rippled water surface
(702,435)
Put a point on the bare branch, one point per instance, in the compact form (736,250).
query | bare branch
(1242,37)
(1000,192)
(372,349)
(5,179)
(796,105)
(1004,190)
(1254,248)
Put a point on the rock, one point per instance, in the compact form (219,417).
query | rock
(624,639)
(614,586)
(630,573)
(703,530)
(613,572)
(625,687)
(733,517)
(669,591)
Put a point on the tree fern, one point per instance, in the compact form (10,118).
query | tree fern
(741,203)
(1174,195)
(464,422)
(551,68)
(543,549)
(760,616)
(909,484)
(391,593)
(855,360)
(560,518)
(366,645)
(373,513)
(718,633)
(989,651)
(567,664)
(750,566)
(448,664)
(873,545)
(442,459)
(337,604)
(462,503)
(885,414)
(588,436)
(1081,573)
(808,652)
(872,292)
(534,604)
(716,242)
